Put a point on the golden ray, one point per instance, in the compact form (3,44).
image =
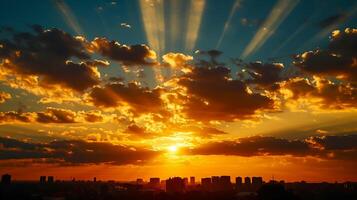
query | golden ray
(194,22)
(228,22)
(68,16)
(174,22)
(152,13)
(280,11)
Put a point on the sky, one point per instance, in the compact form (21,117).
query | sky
(128,89)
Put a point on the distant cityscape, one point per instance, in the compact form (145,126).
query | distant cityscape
(214,187)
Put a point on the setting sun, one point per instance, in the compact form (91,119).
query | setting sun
(173,149)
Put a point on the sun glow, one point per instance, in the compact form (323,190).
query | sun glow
(172,149)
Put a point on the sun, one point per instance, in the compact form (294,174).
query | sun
(172,149)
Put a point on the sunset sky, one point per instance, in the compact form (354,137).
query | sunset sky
(129,89)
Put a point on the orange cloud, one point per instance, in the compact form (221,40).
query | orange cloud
(128,55)
(213,95)
(338,60)
(4,96)
(139,99)
(320,93)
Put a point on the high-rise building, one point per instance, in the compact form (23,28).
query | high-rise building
(95,179)
(192,180)
(206,184)
(225,183)
(42,179)
(257,180)
(247,181)
(175,184)
(239,180)
(139,181)
(154,183)
(6,179)
(185,181)
(50,179)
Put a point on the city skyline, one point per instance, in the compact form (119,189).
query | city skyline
(127,89)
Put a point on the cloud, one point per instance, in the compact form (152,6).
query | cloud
(332,20)
(128,55)
(74,152)
(254,146)
(139,99)
(327,147)
(338,60)
(265,75)
(13,116)
(334,142)
(56,115)
(51,115)
(4,96)
(211,94)
(208,132)
(47,54)
(137,132)
(177,60)
(125,25)
(320,94)
(93,116)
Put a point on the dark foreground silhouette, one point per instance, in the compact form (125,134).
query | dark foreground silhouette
(90,190)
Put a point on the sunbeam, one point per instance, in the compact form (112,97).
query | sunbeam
(152,12)
(68,16)
(194,22)
(228,22)
(280,11)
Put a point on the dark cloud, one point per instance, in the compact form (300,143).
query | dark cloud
(93,116)
(47,54)
(128,55)
(332,20)
(140,99)
(13,116)
(51,115)
(56,115)
(137,132)
(338,60)
(328,147)
(334,142)
(213,95)
(321,93)
(265,75)
(74,152)
(254,146)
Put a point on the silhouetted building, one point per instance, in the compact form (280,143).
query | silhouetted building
(154,183)
(247,181)
(225,183)
(139,181)
(6,179)
(215,183)
(206,184)
(175,184)
(185,181)
(239,181)
(42,179)
(50,179)
(95,179)
(192,180)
